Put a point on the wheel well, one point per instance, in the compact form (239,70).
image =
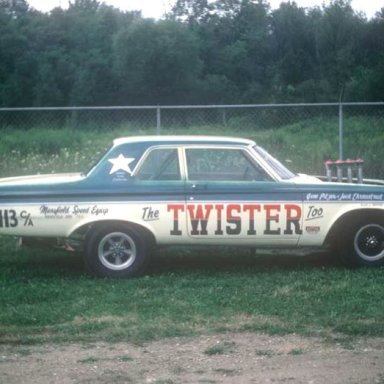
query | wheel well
(349,219)
(86,230)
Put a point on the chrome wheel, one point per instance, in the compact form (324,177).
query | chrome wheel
(117,251)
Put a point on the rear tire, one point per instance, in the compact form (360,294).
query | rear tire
(116,251)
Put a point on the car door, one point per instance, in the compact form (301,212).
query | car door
(230,198)
(160,188)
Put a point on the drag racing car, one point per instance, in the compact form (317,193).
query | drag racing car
(190,190)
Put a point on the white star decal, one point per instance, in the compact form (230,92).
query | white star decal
(121,163)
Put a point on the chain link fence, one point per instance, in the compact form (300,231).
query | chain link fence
(352,128)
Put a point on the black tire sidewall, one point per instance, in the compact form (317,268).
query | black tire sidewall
(350,252)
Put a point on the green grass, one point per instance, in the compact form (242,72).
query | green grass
(45,296)
(265,352)
(306,145)
(220,349)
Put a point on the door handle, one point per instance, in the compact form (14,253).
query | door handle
(199,187)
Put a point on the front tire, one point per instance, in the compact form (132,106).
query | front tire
(116,251)
(366,243)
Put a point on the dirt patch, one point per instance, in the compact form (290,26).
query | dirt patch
(226,358)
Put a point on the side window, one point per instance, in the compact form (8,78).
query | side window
(160,164)
(223,164)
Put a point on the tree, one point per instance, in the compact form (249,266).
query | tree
(75,55)
(192,11)
(157,61)
(205,51)
(367,82)
(15,59)
(294,56)
(338,39)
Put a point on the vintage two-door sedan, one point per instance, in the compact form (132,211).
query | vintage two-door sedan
(149,191)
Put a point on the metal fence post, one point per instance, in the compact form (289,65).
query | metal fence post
(158,120)
(340,131)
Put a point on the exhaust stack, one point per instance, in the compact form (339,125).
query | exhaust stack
(348,167)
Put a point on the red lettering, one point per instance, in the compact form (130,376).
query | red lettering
(293,219)
(251,208)
(272,215)
(232,219)
(176,208)
(229,218)
(199,217)
(219,210)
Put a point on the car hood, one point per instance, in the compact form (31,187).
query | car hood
(302,178)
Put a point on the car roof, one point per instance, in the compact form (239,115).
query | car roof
(183,139)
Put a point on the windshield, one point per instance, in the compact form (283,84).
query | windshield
(275,164)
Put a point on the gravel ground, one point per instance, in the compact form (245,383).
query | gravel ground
(224,358)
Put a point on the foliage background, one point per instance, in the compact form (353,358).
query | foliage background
(202,52)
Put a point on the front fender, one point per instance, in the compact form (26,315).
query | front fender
(348,217)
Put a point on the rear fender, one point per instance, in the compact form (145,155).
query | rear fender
(84,230)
